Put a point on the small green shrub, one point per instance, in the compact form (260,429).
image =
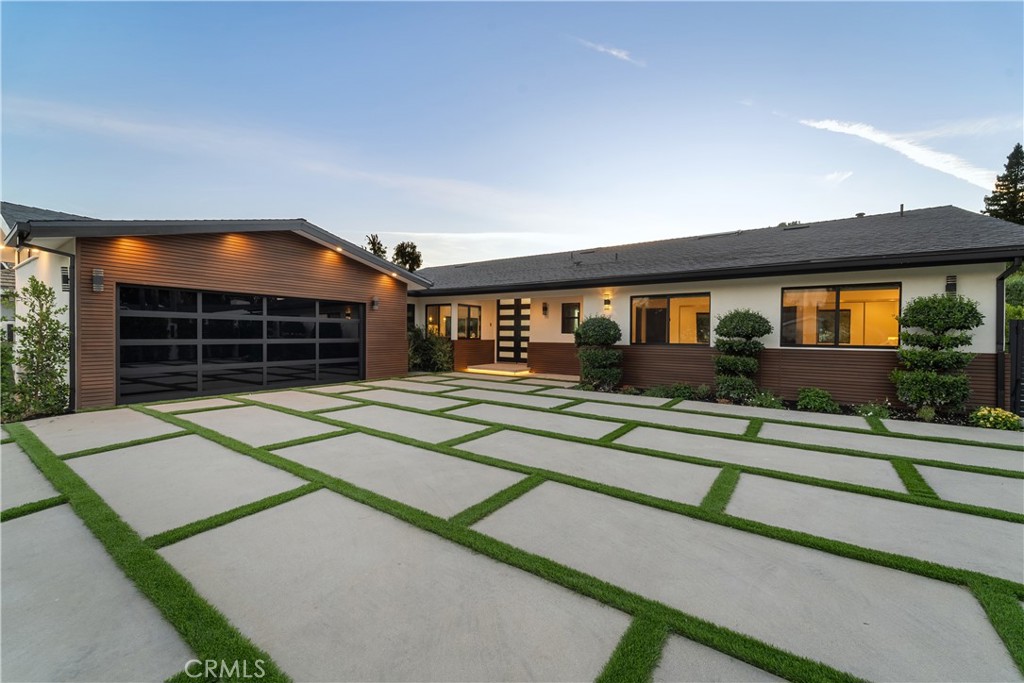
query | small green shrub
(683,391)
(743,323)
(1015,289)
(879,409)
(926,414)
(744,366)
(945,360)
(735,388)
(41,352)
(943,392)
(430,352)
(766,399)
(599,357)
(995,418)
(629,390)
(601,379)
(703,393)
(8,397)
(815,400)
(739,347)
(597,331)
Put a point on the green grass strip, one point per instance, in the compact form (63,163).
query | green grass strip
(472,436)
(912,479)
(209,409)
(637,653)
(307,439)
(571,404)
(618,433)
(29,508)
(122,444)
(4,442)
(474,514)
(721,490)
(746,648)
(754,428)
(876,424)
(206,631)
(1007,616)
(182,532)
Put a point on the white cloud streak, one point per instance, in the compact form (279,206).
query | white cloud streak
(836,178)
(906,145)
(616,52)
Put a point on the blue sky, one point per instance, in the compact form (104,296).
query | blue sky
(484,130)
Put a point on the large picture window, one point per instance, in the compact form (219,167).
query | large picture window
(843,315)
(469,322)
(671,319)
(439,320)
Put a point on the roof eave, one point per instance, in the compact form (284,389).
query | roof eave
(957,257)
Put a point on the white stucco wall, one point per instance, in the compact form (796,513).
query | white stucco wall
(976,281)
(46,267)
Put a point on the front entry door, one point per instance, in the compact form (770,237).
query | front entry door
(513,330)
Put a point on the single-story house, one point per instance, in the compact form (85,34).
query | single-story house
(169,309)
(832,291)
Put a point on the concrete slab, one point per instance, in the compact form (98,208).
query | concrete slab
(673,480)
(163,485)
(561,383)
(956,432)
(975,489)
(852,421)
(483,376)
(848,468)
(955,539)
(69,614)
(201,404)
(607,396)
(685,660)
(887,445)
(490,384)
(425,378)
(439,484)
(540,420)
(408,385)
(402,398)
(726,425)
(298,400)
(506,397)
(346,388)
(20,481)
(397,603)
(79,431)
(257,426)
(845,613)
(413,425)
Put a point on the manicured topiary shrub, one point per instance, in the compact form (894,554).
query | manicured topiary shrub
(600,364)
(737,339)
(815,400)
(932,374)
(995,418)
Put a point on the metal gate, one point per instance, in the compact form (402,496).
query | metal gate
(513,330)
(1017,366)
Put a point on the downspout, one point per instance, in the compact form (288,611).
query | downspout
(72,295)
(1001,331)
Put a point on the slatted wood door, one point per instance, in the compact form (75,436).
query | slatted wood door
(513,330)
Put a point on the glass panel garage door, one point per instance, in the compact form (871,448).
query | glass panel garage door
(175,343)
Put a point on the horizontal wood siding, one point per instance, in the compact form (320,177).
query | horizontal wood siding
(648,366)
(473,352)
(982,372)
(270,263)
(554,357)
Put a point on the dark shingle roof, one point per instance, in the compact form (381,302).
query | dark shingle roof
(19,213)
(945,234)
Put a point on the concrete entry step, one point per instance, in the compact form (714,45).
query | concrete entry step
(780,593)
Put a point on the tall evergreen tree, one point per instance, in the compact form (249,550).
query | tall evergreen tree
(407,256)
(375,246)
(1007,199)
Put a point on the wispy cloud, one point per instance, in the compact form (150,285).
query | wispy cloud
(618,53)
(836,178)
(969,128)
(908,146)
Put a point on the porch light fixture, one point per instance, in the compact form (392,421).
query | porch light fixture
(607,305)
(544,308)
(375,303)
(97,279)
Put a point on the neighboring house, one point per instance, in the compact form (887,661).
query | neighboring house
(832,291)
(171,309)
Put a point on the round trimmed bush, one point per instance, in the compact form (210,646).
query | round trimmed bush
(743,323)
(996,418)
(735,365)
(738,347)
(597,331)
(735,388)
(815,400)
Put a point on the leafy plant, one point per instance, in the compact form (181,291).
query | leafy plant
(8,395)
(879,409)
(375,246)
(995,418)
(766,399)
(600,364)
(629,390)
(683,391)
(737,339)
(703,393)
(926,414)
(933,374)
(430,352)
(407,255)
(41,352)
(815,400)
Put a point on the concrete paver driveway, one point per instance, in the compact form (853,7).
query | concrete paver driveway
(455,527)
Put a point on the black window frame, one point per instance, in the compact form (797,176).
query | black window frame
(426,320)
(574,319)
(838,316)
(469,316)
(668,318)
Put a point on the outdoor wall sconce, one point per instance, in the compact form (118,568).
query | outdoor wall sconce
(544,308)
(97,279)
(375,303)
(607,305)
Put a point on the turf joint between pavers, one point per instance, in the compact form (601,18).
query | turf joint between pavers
(29,508)
(637,654)
(474,514)
(717,497)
